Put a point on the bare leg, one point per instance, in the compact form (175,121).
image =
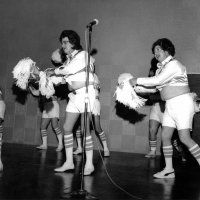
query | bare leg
(177,145)
(193,147)
(89,167)
(168,171)
(43,130)
(59,135)
(153,130)
(79,142)
(101,135)
(70,121)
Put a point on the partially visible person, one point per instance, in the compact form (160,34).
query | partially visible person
(196,102)
(155,119)
(58,58)
(97,124)
(50,113)
(74,71)
(172,82)
(2,112)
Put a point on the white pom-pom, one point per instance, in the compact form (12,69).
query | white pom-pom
(124,77)
(194,96)
(127,95)
(21,72)
(56,56)
(46,84)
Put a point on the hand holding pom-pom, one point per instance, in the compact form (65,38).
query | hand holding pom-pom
(125,93)
(22,72)
(124,77)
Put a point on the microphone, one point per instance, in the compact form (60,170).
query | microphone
(93,22)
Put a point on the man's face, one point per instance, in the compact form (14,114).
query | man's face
(67,46)
(160,54)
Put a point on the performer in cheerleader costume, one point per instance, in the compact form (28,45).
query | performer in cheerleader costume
(28,76)
(172,82)
(97,124)
(50,115)
(74,71)
(155,120)
(2,112)
(58,58)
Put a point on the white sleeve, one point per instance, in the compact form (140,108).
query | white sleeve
(168,73)
(78,63)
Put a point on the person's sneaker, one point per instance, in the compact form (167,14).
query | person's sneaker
(164,174)
(151,154)
(65,167)
(42,147)
(77,151)
(106,153)
(59,148)
(183,159)
(88,171)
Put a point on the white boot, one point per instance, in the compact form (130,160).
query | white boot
(44,144)
(60,142)
(69,164)
(79,149)
(89,167)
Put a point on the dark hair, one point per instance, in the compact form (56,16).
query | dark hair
(152,70)
(73,38)
(165,44)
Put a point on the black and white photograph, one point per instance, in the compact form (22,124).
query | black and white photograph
(100,99)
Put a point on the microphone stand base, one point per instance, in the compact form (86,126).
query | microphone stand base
(79,194)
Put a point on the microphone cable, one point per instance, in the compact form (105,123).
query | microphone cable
(105,168)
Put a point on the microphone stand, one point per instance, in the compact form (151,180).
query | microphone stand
(82,193)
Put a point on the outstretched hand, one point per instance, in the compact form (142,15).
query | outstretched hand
(133,81)
(49,72)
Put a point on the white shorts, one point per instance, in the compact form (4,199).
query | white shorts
(157,111)
(179,112)
(2,109)
(77,100)
(51,110)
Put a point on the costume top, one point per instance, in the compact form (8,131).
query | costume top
(74,68)
(170,73)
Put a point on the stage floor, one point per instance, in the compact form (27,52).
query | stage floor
(28,174)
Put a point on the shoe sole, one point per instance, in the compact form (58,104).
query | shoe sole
(67,170)
(164,177)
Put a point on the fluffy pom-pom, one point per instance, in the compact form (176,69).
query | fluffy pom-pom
(46,84)
(56,56)
(21,72)
(127,95)
(124,77)
(194,96)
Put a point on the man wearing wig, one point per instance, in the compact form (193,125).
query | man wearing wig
(74,70)
(172,82)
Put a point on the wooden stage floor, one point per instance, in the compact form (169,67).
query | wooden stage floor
(28,174)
